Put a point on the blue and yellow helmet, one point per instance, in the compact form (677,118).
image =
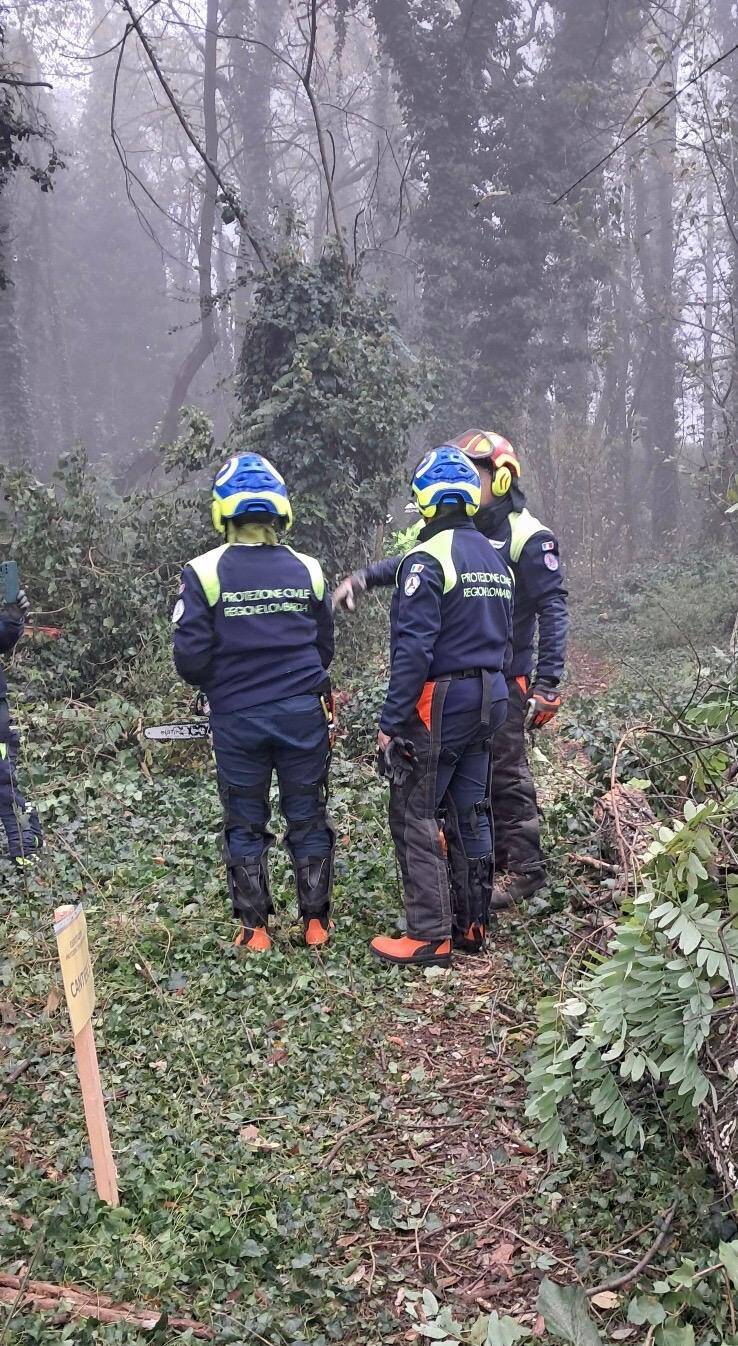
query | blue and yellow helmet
(248,485)
(446,477)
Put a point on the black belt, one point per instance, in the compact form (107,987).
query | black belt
(486,675)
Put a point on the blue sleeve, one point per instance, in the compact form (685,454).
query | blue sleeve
(418,623)
(325,639)
(382,573)
(11,630)
(194,631)
(539,571)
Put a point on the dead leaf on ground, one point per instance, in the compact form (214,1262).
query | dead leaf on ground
(501,1255)
(53,1001)
(539,1327)
(357,1275)
(606,1299)
(250,1135)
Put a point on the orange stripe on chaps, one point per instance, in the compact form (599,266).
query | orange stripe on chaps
(424,704)
(522,684)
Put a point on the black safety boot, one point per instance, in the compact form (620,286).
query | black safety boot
(515,887)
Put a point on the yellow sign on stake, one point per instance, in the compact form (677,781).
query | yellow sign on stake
(76,968)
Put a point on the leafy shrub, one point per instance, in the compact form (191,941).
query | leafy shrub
(643,1014)
(102,569)
(689,601)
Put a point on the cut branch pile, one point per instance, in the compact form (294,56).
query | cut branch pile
(66,1300)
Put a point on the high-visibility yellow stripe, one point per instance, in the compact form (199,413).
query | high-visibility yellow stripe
(439,547)
(206,569)
(314,570)
(523,526)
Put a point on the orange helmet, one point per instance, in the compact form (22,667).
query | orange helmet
(484,446)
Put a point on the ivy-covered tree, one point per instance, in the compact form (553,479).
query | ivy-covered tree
(329,391)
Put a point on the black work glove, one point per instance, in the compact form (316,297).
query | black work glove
(347,593)
(544,699)
(397,761)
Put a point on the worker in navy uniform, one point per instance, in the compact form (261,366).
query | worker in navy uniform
(21,825)
(532,552)
(253,630)
(451,623)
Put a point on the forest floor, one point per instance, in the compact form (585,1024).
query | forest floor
(310,1148)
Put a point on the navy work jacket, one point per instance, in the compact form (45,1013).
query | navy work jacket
(252,623)
(451,613)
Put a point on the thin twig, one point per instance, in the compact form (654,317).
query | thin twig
(228,193)
(617,1282)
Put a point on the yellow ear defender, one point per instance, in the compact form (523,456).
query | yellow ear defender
(502,481)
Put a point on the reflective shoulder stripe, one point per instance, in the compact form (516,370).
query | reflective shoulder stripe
(523,527)
(439,547)
(314,570)
(206,569)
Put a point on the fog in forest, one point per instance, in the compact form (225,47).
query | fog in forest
(159,167)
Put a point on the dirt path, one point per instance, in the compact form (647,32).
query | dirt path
(455,1205)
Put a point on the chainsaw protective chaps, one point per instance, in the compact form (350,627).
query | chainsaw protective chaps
(439,816)
(514,803)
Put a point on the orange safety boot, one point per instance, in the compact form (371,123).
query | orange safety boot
(317,931)
(410,952)
(471,940)
(256,941)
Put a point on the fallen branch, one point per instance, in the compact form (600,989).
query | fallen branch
(355,1126)
(617,1282)
(46,1297)
(24,1065)
(590,860)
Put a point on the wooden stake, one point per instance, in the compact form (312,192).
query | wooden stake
(103,1163)
(106,1178)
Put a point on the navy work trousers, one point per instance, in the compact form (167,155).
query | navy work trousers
(289,736)
(22,828)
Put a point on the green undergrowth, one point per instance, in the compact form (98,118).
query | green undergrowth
(230,1081)
(657,623)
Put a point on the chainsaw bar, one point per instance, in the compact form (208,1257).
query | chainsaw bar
(188,729)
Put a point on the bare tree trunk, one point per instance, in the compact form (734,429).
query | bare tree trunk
(656,242)
(15,401)
(708,395)
(208,336)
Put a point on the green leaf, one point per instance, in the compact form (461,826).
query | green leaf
(565,1312)
(250,1248)
(646,1309)
(430,1303)
(503,1331)
(729,1258)
(674,1336)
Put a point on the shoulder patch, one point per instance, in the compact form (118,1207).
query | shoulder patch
(416,568)
(412,584)
(548,545)
(551,561)
(498,546)
(178,612)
